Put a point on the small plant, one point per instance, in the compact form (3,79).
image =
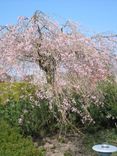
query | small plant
(61,139)
(68,153)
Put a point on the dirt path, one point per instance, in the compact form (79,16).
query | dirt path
(64,146)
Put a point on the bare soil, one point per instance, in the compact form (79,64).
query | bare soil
(63,146)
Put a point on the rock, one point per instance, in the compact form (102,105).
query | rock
(49,146)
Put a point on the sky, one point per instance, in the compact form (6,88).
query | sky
(94,16)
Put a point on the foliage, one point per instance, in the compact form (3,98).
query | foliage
(15,91)
(32,119)
(39,120)
(13,144)
(105,115)
(11,112)
(35,117)
(109,90)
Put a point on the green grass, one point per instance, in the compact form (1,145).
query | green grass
(108,136)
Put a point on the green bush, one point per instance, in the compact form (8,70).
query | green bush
(106,115)
(13,144)
(39,120)
(11,112)
(20,107)
(32,119)
(109,90)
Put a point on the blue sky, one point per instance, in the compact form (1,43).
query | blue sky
(93,15)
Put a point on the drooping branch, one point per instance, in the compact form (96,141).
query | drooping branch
(111,37)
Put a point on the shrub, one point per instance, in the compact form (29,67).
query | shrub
(11,112)
(13,144)
(105,115)
(30,118)
(38,119)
